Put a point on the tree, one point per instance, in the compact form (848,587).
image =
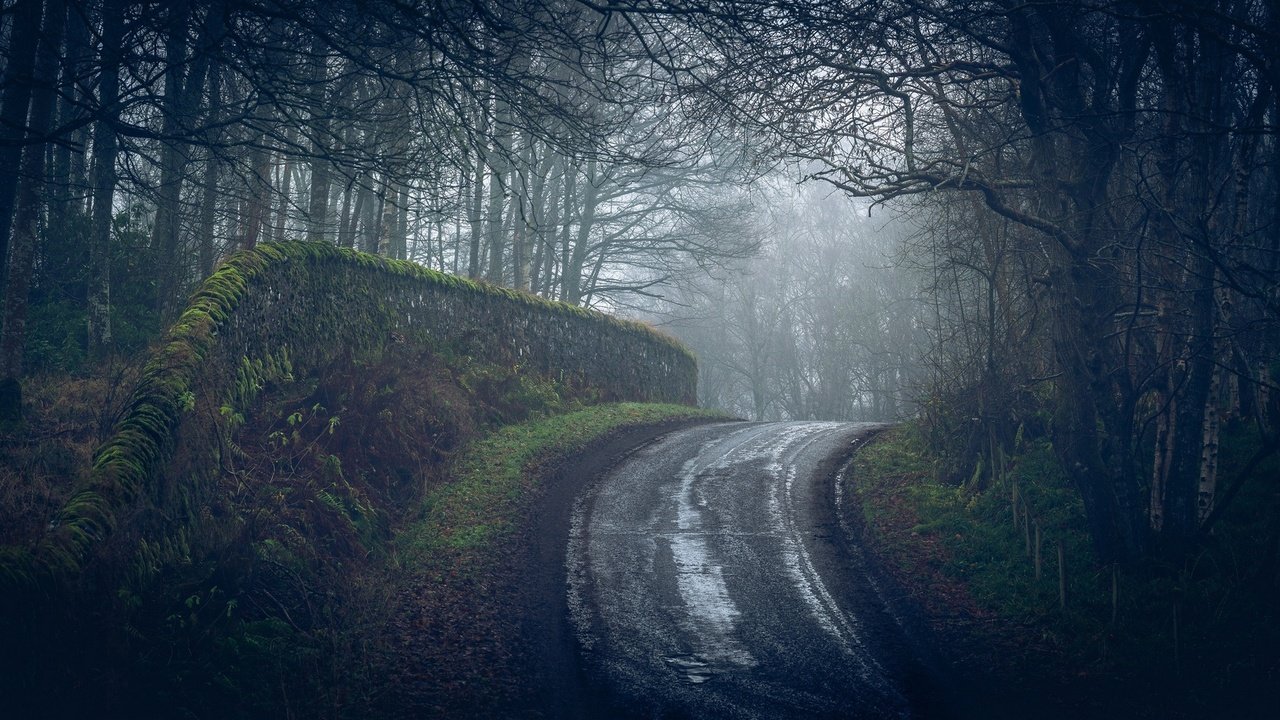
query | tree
(104,180)
(15,103)
(1077,123)
(32,192)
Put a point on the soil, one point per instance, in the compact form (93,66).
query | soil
(992,667)
(490,637)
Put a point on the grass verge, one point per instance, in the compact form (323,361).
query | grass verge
(1191,641)
(493,476)
(456,635)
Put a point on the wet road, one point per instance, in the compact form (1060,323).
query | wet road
(708,577)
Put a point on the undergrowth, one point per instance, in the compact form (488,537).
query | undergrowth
(1194,636)
(225,552)
(274,601)
(67,417)
(326,472)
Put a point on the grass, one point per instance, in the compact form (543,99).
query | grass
(287,597)
(460,645)
(493,476)
(958,552)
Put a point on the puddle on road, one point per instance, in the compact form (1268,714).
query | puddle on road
(691,668)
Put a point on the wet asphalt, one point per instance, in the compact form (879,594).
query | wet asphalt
(708,576)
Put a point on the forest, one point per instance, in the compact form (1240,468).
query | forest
(1001,221)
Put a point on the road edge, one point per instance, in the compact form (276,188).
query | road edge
(938,687)
(557,685)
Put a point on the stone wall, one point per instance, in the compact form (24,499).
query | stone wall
(305,305)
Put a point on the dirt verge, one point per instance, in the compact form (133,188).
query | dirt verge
(555,685)
(988,667)
(486,635)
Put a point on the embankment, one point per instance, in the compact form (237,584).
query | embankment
(235,549)
(290,309)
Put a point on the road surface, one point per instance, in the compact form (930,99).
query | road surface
(708,577)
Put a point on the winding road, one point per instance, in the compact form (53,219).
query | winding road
(708,576)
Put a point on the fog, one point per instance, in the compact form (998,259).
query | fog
(1049,218)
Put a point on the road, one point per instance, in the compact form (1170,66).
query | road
(708,576)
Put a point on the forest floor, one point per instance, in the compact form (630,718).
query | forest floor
(469,636)
(472,636)
(1007,646)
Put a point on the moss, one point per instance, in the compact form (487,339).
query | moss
(322,302)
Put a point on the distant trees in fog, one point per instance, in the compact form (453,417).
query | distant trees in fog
(1095,247)
(819,325)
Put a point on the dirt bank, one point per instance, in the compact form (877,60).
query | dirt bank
(486,635)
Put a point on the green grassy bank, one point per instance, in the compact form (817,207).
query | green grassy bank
(1196,640)
(353,510)
(492,479)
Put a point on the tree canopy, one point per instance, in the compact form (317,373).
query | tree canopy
(1080,191)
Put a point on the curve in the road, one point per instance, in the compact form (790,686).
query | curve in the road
(700,578)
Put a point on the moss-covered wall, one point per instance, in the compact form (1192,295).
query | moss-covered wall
(301,306)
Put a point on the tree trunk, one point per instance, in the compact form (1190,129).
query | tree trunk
(372,220)
(1075,421)
(474,206)
(500,167)
(572,271)
(570,198)
(395,217)
(1182,490)
(209,186)
(256,209)
(548,221)
(457,228)
(173,159)
(1194,104)
(285,196)
(30,199)
(519,240)
(346,221)
(318,205)
(67,185)
(528,198)
(16,102)
(259,200)
(104,182)
(536,233)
